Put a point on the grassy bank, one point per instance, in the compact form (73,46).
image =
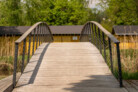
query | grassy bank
(129,62)
(6,65)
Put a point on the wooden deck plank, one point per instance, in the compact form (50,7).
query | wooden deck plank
(67,67)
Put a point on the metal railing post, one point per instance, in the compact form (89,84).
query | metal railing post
(90,37)
(41,33)
(110,52)
(96,36)
(23,55)
(34,40)
(99,40)
(84,34)
(46,34)
(119,64)
(37,36)
(104,47)
(15,64)
(93,33)
(29,48)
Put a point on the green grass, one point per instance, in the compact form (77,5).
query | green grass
(128,76)
(6,65)
(126,73)
(129,53)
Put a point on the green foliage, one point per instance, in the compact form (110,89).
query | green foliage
(122,12)
(107,25)
(57,12)
(54,12)
(10,12)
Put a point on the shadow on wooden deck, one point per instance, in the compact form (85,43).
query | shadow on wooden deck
(35,70)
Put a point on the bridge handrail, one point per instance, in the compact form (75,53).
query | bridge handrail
(30,30)
(40,32)
(93,32)
(103,30)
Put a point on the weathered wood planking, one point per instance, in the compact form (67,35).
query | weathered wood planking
(67,67)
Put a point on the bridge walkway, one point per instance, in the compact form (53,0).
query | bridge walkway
(67,67)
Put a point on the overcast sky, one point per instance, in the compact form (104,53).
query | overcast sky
(93,3)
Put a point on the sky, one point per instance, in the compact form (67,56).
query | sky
(93,3)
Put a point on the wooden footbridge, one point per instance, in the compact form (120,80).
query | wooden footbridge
(92,65)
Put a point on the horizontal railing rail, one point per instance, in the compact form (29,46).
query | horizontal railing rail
(26,45)
(107,44)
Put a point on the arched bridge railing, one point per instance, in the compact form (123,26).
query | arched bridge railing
(107,44)
(26,45)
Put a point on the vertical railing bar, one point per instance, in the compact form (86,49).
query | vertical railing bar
(29,48)
(92,32)
(119,64)
(15,64)
(110,51)
(45,33)
(99,40)
(96,36)
(90,38)
(87,33)
(23,55)
(104,47)
(84,34)
(81,36)
(37,36)
(34,40)
(41,33)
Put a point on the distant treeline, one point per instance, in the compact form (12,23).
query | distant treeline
(54,12)
(120,12)
(68,12)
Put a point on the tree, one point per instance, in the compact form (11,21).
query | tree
(11,12)
(57,12)
(122,12)
(54,12)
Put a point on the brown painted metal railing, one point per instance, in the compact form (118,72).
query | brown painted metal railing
(107,44)
(37,34)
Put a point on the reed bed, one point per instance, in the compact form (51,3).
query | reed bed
(129,56)
(7,48)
